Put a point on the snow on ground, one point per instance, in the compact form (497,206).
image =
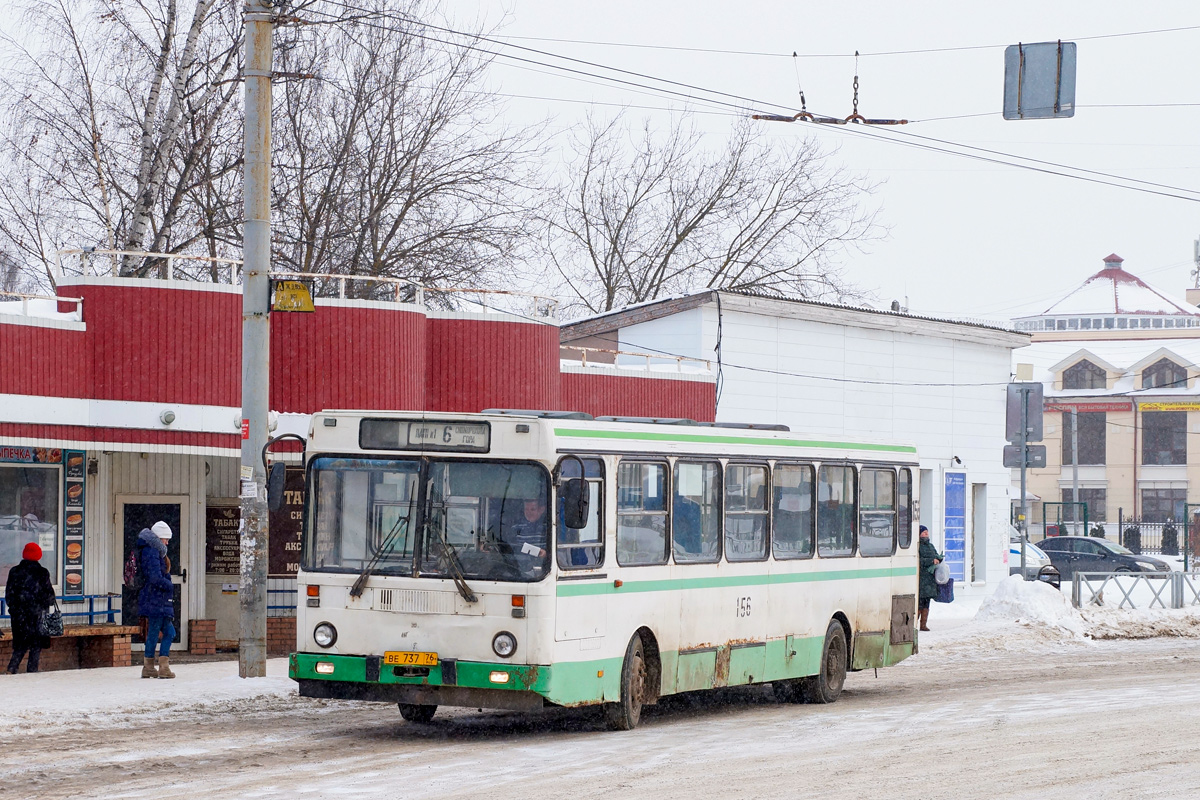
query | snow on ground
(115,696)
(1019,616)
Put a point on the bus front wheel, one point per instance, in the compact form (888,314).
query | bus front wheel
(826,685)
(625,714)
(415,713)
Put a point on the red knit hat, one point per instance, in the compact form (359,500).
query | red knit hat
(32,552)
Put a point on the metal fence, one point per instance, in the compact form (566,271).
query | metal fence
(1135,590)
(102,609)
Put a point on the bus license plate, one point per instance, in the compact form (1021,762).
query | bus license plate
(394,658)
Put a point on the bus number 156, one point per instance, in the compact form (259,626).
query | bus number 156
(743,606)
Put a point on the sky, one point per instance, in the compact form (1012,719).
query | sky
(964,238)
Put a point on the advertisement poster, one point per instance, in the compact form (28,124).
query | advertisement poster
(74,499)
(286,528)
(221,540)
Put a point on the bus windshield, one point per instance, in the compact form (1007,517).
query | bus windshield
(487,519)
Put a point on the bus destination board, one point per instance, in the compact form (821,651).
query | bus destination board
(390,434)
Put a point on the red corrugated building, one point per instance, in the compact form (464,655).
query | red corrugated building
(125,408)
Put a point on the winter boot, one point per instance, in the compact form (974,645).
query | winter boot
(164,667)
(924,619)
(148,668)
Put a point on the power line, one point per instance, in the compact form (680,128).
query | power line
(857,131)
(768,54)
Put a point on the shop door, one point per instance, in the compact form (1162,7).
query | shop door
(134,517)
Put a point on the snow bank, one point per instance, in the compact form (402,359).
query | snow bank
(110,697)
(1114,623)
(1031,603)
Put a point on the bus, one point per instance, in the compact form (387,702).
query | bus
(524,559)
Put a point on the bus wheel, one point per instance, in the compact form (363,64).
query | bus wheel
(826,685)
(625,714)
(415,713)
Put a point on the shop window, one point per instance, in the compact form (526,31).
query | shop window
(641,513)
(835,511)
(1084,375)
(583,548)
(792,526)
(1097,505)
(1164,437)
(29,505)
(745,512)
(1164,374)
(696,512)
(1093,437)
(877,506)
(1163,505)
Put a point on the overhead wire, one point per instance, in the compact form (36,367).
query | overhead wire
(918,51)
(942,146)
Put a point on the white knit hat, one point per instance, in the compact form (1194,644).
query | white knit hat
(162,530)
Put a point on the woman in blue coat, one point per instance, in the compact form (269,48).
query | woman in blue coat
(155,598)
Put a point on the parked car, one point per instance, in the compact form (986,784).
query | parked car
(1038,566)
(1073,554)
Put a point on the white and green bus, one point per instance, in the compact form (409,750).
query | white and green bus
(518,559)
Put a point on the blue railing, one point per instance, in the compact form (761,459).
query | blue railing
(281,602)
(101,610)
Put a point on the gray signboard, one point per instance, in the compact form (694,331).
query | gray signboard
(1039,80)
(1029,395)
(1035,456)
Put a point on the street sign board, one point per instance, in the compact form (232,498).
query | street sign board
(1039,80)
(1035,456)
(1017,394)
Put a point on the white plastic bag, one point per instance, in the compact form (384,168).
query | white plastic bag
(941,573)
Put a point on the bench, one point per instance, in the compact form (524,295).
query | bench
(83,647)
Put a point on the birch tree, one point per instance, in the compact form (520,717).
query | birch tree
(645,213)
(394,162)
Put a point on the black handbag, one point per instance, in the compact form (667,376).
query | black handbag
(50,621)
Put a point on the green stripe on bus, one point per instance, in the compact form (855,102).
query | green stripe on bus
(676,584)
(704,438)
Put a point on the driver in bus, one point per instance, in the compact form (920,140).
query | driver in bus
(527,536)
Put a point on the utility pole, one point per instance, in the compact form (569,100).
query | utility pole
(1023,443)
(256,339)
(1075,472)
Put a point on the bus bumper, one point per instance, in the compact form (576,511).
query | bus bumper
(451,683)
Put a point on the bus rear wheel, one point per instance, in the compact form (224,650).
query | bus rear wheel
(418,714)
(826,685)
(625,714)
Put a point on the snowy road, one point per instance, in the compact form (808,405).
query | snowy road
(1006,712)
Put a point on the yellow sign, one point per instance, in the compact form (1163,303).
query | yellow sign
(292,296)
(410,659)
(1169,406)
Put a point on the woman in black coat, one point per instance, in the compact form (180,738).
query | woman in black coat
(28,593)
(930,558)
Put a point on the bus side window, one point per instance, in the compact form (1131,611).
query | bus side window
(792,527)
(696,512)
(877,504)
(641,513)
(835,511)
(583,548)
(745,512)
(904,509)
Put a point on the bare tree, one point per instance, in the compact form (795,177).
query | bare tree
(394,163)
(112,110)
(644,215)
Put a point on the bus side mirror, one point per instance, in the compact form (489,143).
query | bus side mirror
(575,500)
(275,480)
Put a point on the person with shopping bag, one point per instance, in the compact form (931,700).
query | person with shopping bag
(930,558)
(28,593)
(156,598)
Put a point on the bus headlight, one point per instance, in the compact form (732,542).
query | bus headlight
(504,644)
(325,634)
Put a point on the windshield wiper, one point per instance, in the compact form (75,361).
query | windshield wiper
(455,567)
(401,527)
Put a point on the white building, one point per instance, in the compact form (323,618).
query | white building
(864,374)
